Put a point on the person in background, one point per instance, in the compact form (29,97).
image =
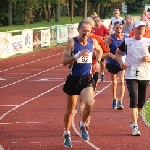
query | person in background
(94,14)
(113,67)
(137,70)
(78,55)
(127,26)
(102,31)
(145,16)
(115,19)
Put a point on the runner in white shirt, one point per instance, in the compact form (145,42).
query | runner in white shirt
(114,19)
(137,73)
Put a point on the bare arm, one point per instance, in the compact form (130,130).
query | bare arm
(119,59)
(67,58)
(98,49)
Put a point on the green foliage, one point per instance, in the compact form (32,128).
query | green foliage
(135,6)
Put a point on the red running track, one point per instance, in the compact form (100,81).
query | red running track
(32,105)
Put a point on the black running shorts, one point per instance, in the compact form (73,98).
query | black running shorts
(75,84)
(113,69)
(95,77)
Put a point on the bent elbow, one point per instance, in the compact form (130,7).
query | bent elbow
(64,63)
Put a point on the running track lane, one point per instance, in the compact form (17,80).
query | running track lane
(32,105)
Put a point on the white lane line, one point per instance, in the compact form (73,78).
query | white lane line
(2,79)
(73,123)
(1,117)
(1,148)
(5,123)
(29,62)
(8,105)
(29,76)
(35,142)
(22,123)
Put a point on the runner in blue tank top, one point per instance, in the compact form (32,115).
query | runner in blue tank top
(113,66)
(78,55)
(84,68)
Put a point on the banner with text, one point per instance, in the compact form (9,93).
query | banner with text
(53,35)
(27,40)
(62,33)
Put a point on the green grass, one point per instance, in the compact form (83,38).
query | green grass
(63,20)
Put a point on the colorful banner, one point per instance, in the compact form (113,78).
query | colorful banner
(5,44)
(71,31)
(62,33)
(27,40)
(45,37)
(36,40)
(53,35)
(17,44)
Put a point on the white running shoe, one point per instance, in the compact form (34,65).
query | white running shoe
(135,131)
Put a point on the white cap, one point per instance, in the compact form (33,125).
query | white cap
(139,23)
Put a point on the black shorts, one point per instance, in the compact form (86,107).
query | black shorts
(95,77)
(75,84)
(113,69)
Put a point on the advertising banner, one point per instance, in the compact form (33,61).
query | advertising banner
(45,37)
(27,40)
(71,30)
(5,44)
(76,29)
(16,44)
(53,35)
(62,33)
(36,39)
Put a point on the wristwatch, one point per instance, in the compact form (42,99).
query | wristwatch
(99,61)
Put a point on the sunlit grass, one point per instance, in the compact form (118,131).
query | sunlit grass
(63,20)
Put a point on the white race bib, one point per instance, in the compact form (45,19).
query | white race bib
(137,71)
(85,59)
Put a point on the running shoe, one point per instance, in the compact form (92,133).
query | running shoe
(102,78)
(135,131)
(84,133)
(120,106)
(67,140)
(114,104)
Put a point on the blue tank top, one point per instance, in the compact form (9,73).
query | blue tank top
(81,69)
(113,47)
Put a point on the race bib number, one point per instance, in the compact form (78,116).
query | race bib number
(85,59)
(137,71)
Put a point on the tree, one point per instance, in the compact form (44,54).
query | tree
(10,12)
(85,9)
(57,16)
